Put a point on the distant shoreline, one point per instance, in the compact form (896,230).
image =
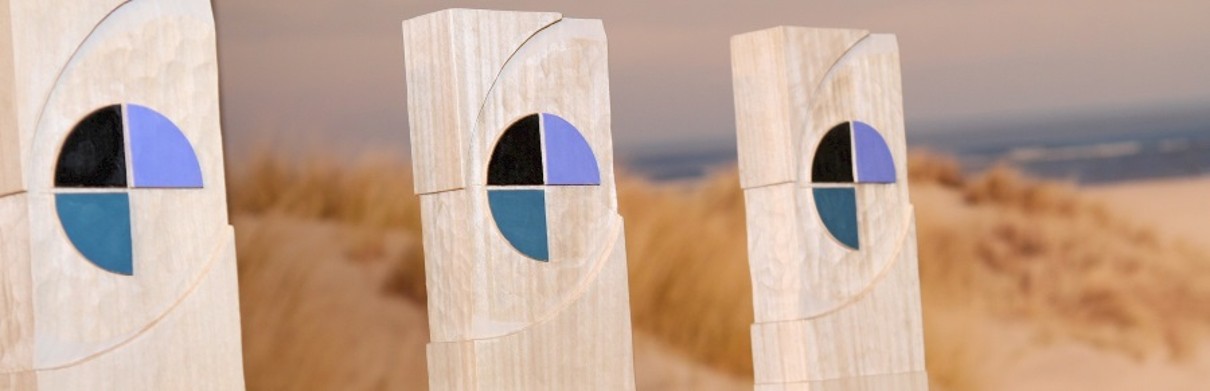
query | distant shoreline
(1095,171)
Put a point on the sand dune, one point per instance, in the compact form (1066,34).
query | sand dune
(316,312)
(321,313)
(1021,274)
(1027,284)
(1178,208)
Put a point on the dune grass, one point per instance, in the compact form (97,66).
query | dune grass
(996,245)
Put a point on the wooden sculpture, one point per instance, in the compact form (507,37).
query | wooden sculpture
(524,252)
(117,262)
(831,231)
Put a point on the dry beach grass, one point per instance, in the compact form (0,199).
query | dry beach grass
(332,280)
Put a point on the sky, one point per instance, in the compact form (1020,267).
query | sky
(301,75)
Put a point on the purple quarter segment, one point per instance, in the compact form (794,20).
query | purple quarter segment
(874,161)
(162,157)
(569,159)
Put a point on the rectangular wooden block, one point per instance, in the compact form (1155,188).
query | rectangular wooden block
(524,252)
(151,301)
(586,346)
(914,381)
(453,58)
(831,229)
(196,346)
(880,333)
(20,381)
(37,37)
(449,265)
(16,290)
(770,72)
(11,168)
(455,361)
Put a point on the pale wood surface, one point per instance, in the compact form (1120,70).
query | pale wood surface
(16,288)
(913,381)
(499,320)
(11,178)
(195,346)
(767,107)
(826,316)
(174,324)
(39,37)
(454,58)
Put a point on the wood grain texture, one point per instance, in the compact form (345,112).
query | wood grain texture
(195,346)
(914,381)
(16,288)
(827,316)
(40,37)
(456,56)
(767,107)
(500,320)
(11,168)
(174,324)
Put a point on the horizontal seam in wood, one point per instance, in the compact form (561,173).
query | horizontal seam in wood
(842,378)
(441,191)
(769,185)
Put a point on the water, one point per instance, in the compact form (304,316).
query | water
(682,163)
(1096,160)
(1089,150)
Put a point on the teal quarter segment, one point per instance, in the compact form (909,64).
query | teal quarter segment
(98,225)
(521,217)
(838,209)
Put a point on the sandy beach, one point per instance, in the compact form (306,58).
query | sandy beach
(1027,284)
(1174,207)
(1033,348)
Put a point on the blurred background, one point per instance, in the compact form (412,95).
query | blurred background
(1059,161)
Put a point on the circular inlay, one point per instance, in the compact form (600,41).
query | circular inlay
(835,177)
(113,151)
(535,153)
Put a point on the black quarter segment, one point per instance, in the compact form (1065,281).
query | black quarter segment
(834,156)
(517,159)
(94,154)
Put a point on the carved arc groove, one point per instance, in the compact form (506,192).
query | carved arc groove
(500,72)
(75,54)
(216,255)
(895,256)
(801,148)
(576,293)
(803,142)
